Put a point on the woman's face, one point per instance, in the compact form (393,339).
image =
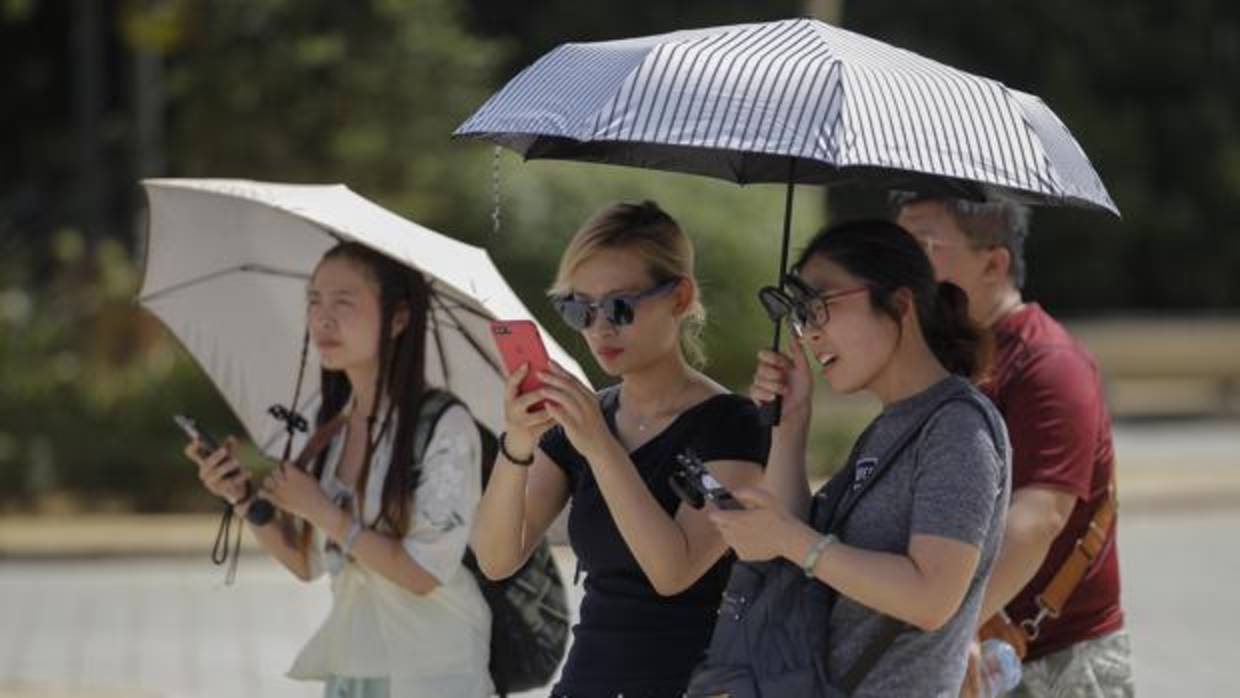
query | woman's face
(857,342)
(655,330)
(343,314)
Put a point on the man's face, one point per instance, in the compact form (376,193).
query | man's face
(954,256)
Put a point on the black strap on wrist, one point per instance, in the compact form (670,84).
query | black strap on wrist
(503,448)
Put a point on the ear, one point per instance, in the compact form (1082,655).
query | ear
(998,265)
(400,320)
(683,296)
(903,299)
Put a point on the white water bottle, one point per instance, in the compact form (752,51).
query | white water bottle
(1000,668)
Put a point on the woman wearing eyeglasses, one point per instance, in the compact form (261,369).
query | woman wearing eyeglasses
(655,569)
(871,587)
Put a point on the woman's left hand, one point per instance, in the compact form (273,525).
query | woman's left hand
(294,490)
(758,531)
(575,407)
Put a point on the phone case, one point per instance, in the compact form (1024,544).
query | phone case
(519,343)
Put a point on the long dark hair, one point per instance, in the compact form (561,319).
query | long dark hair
(888,258)
(401,375)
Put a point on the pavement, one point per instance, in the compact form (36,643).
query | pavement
(112,606)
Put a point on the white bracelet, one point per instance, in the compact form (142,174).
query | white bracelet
(815,552)
(355,530)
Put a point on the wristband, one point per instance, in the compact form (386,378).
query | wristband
(503,448)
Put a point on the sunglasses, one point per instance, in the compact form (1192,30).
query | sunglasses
(805,307)
(619,309)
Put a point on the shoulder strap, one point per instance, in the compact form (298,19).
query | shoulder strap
(434,404)
(318,441)
(891,628)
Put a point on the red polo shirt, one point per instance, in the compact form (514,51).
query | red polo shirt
(1047,388)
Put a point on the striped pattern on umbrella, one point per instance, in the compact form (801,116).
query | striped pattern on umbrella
(738,102)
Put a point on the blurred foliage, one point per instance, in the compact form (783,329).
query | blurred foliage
(88,386)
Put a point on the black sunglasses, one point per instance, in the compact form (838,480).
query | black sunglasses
(804,306)
(618,309)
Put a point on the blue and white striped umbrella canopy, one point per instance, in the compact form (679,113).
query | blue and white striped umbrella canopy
(745,102)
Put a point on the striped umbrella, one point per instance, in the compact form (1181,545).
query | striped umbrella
(750,102)
(793,101)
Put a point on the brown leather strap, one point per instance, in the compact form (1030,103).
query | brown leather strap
(1002,628)
(1052,599)
(318,441)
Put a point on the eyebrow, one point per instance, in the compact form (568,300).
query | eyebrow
(338,293)
(617,292)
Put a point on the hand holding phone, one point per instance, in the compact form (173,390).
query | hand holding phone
(260,511)
(695,486)
(207,444)
(520,344)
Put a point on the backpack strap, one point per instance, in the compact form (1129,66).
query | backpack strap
(434,404)
(892,628)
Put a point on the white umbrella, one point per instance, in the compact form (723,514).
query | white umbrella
(226,270)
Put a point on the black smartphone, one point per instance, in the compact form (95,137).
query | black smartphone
(207,444)
(695,486)
(261,511)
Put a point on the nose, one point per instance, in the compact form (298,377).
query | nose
(600,325)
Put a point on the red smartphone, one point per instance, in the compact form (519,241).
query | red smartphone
(519,343)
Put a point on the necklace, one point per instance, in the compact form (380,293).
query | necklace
(643,423)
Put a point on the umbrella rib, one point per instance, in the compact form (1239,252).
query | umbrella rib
(256,268)
(468,337)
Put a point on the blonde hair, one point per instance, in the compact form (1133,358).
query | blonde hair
(649,232)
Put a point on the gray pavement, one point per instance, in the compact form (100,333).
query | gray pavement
(168,628)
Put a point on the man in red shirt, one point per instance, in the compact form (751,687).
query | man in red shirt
(1046,385)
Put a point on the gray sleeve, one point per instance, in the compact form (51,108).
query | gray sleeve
(959,476)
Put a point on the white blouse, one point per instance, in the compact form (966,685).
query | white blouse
(431,645)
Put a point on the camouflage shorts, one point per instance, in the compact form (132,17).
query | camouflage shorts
(1098,668)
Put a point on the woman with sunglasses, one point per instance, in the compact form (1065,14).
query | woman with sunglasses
(887,564)
(655,569)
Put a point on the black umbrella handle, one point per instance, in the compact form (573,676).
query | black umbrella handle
(770,412)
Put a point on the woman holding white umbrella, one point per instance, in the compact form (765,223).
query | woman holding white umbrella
(407,620)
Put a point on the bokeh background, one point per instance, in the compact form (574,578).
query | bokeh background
(95,95)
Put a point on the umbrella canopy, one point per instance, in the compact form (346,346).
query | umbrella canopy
(226,271)
(793,100)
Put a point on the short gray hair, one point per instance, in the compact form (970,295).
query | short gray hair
(995,222)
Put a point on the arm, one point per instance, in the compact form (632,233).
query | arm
(1054,417)
(280,537)
(520,502)
(1035,519)
(787,376)
(923,588)
(443,508)
(673,552)
(518,507)
(956,485)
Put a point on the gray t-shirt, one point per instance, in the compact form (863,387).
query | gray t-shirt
(952,481)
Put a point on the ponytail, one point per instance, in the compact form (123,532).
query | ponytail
(959,343)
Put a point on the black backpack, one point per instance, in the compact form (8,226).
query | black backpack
(771,638)
(529,610)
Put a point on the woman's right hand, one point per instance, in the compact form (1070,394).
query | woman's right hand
(787,376)
(213,468)
(524,428)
